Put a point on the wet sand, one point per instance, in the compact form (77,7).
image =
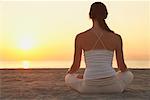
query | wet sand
(48,84)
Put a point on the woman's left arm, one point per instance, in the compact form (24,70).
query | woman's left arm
(77,56)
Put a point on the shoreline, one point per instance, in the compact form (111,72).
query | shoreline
(61,68)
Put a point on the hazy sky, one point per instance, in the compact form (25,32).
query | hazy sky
(45,30)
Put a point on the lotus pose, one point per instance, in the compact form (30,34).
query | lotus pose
(99,44)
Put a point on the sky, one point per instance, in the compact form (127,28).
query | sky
(45,30)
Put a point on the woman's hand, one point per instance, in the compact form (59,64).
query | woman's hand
(124,70)
(80,76)
(70,71)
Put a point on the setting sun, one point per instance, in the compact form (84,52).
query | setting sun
(26,43)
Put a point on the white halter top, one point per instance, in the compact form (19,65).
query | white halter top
(98,62)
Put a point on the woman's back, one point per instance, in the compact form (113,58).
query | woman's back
(98,49)
(97,39)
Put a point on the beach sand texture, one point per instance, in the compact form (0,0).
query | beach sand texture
(48,84)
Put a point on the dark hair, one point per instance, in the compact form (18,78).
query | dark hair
(98,11)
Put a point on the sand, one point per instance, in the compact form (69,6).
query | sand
(48,84)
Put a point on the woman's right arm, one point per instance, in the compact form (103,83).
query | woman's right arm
(119,55)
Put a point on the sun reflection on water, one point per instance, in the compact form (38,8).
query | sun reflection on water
(26,64)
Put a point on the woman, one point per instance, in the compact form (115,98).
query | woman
(98,44)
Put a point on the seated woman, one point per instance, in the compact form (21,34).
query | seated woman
(98,44)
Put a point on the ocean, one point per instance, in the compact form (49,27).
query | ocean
(64,64)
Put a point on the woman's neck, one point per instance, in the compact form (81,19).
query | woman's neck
(96,26)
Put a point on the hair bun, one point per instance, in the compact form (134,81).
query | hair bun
(98,11)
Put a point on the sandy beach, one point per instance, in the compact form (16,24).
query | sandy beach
(48,84)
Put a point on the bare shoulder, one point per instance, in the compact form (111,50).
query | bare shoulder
(118,37)
(82,34)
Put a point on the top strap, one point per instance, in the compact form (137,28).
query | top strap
(99,39)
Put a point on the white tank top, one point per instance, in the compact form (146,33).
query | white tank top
(98,62)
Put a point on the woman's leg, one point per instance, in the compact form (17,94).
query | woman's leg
(72,81)
(125,78)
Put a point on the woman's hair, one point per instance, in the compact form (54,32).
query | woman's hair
(99,12)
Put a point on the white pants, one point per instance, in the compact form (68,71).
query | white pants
(117,83)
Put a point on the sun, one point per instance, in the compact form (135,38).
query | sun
(26,43)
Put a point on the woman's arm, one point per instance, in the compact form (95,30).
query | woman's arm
(77,56)
(119,55)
